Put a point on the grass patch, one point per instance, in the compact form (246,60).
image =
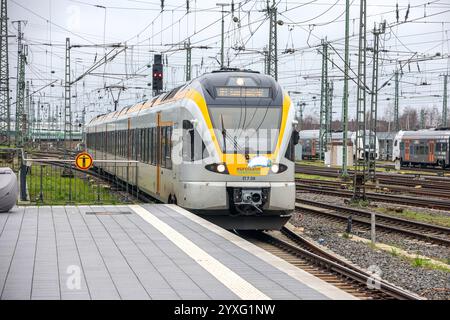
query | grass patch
(420,262)
(394,252)
(440,220)
(46,186)
(346,235)
(314,177)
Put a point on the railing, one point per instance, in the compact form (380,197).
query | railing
(59,182)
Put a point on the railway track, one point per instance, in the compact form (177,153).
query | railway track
(413,229)
(418,169)
(389,198)
(381,176)
(410,187)
(295,249)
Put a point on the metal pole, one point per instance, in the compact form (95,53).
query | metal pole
(396,106)
(222,39)
(20,88)
(67,102)
(5,103)
(374,104)
(359,178)
(444,103)
(67,172)
(272,58)
(187,45)
(323,101)
(345,95)
(329,111)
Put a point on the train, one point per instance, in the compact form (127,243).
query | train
(221,145)
(428,147)
(309,140)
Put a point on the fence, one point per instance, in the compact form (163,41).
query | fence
(58,182)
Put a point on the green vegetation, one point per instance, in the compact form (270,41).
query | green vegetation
(417,216)
(394,252)
(53,189)
(420,262)
(346,235)
(314,177)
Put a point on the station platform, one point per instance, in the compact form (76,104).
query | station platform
(150,251)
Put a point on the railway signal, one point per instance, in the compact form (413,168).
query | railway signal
(157,74)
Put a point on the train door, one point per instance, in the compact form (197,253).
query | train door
(163,157)
(313,148)
(407,150)
(431,157)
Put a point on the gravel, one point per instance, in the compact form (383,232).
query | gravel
(411,245)
(432,284)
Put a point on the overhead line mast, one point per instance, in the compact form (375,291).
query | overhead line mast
(20,127)
(360,174)
(374,102)
(444,103)
(272,56)
(345,94)
(324,98)
(5,103)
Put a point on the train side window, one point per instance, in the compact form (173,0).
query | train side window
(145,144)
(168,140)
(395,143)
(122,144)
(194,147)
(154,145)
(150,144)
(188,141)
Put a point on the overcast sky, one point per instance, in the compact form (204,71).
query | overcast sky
(146,30)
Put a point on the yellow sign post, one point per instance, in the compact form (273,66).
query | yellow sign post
(83,161)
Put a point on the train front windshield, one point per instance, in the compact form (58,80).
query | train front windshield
(246,129)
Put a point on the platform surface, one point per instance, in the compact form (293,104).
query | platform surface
(151,251)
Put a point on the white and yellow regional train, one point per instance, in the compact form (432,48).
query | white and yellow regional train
(222,146)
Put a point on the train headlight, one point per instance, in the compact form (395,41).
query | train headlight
(278,168)
(221,168)
(217,167)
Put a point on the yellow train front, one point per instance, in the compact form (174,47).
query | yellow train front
(222,146)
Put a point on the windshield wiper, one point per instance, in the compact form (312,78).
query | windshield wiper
(224,134)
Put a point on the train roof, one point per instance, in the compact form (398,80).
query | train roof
(215,78)
(426,133)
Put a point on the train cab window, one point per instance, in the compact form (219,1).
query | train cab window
(290,151)
(395,143)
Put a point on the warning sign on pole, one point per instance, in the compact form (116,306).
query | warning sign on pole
(83,161)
